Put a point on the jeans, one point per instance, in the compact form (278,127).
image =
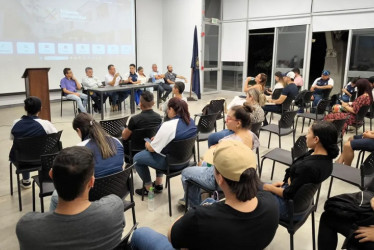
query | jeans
(345,98)
(317,97)
(137,94)
(97,102)
(145,238)
(271,108)
(26,175)
(203,176)
(215,137)
(118,96)
(54,201)
(81,101)
(164,87)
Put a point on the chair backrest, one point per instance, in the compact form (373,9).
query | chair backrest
(326,93)
(287,103)
(29,149)
(118,184)
(206,123)
(47,163)
(255,128)
(217,106)
(114,127)
(367,171)
(287,119)
(136,141)
(300,148)
(339,125)
(304,197)
(321,106)
(361,114)
(180,152)
(276,93)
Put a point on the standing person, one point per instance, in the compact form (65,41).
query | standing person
(349,90)
(298,79)
(90,81)
(132,78)
(113,79)
(170,78)
(321,84)
(76,223)
(69,85)
(29,125)
(246,219)
(260,80)
(157,77)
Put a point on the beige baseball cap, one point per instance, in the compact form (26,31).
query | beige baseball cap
(231,158)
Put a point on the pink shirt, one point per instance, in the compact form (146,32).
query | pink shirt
(299,81)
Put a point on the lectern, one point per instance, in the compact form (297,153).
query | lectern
(36,84)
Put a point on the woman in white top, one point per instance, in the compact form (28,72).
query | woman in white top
(280,83)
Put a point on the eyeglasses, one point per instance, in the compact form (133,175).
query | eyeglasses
(230,118)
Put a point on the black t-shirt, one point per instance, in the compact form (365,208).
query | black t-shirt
(290,91)
(219,226)
(146,119)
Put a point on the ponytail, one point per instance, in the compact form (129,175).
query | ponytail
(181,109)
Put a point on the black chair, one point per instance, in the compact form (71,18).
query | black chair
(339,125)
(286,105)
(218,106)
(206,125)
(120,184)
(333,100)
(370,114)
(43,180)
(191,182)
(360,118)
(64,99)
(178,157)
(124,245)
(306,100)
(317,116)
(27,154)
(359,177)
(276,93)
(285,126)
(114,127)
(283,156)
(255,128)
(302,204)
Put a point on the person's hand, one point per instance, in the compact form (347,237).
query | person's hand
(365,234)
(278,184)
(372,203)
(77,94)
(162,75)
(366,134)
(270,100)
(116,74)
(73,78)
(152,138)
(266,187)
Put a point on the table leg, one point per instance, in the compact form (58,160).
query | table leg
(158,97)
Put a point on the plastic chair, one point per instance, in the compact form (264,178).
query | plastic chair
(370,114)
(276,93)
(178,157)
(360,118)
(64,99)
(359,177)
(339,125)
(114,127)
(285,126)
(120,184)
(28,151)
(306,98)
(218,106)
(286,105)
(283,156)
(206,125)
(317,116)
(43,180)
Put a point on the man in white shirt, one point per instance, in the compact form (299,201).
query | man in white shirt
(90,81)
(320,86)
(157,77)
(113,79)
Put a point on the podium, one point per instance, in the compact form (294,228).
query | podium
(36,84)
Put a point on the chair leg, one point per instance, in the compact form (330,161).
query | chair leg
(258,157)
(330,186)
(19,193)
(198,150)
(291,241)
(297,119)
(262,164)
(11,178)
(279,138)
(61,108)
(143,193)
(269,139)
(313,232)
(272,171)
(42,204)
(370,123)
(186,200)
(302,128)
(169,195)
(33,196)
(133,215)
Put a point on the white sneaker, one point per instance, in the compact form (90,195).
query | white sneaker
(25,184)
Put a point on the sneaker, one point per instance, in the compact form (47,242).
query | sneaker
(182,202)
(141,191)
(25,183)
(158,188)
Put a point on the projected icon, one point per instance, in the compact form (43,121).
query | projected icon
(126,49)
(82,49)
(6,48)
(46,48)
(25,48)
(98,49)
(65,48)
(113,49)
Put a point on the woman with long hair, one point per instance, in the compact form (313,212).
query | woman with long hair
(279,83)
(180,127)
(260,80)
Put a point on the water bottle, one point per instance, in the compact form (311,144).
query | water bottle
(151,199)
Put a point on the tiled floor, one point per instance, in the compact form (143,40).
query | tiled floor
(159,219)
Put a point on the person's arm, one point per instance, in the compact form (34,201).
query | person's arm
(182,77)
(79,86)
(126,133)
(346,92)
(347,107)
(275,188)
(368,134)
(184,232)
(245,86)
(324,87)
(167,78)
(169,231)
(366,234)
(314,85)
(113,81)
(280,100)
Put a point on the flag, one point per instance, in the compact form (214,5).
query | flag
(195,66)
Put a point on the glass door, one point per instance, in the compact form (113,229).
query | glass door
(211,56)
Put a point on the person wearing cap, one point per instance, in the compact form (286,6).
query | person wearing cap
(249,215)
(320,85)
(314,166)
(290,91)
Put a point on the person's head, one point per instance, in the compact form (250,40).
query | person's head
(371,79)
(325,75)
(73,172)
(278,76)
(178,107)
(88,128)
(146,100)
(363,86)
(68,73)
(169,68)
(296,71)
(254,96)
(89,71)
(354,81)
(235,169)
(132,68)
(178,88)
(325,135)
(290,76)
(140,70)
(261,79)
(33,105)
(238,117)
(111,69)
(154,67)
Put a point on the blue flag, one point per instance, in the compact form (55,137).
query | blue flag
(195,66)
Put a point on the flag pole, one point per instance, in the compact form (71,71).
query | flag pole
(190,98)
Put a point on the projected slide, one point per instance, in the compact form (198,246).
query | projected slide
(70,33)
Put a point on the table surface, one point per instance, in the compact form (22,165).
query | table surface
(123,87)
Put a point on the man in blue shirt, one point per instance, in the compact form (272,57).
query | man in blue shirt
(69,85)
(320,86)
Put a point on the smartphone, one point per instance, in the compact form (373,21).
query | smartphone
(148,140)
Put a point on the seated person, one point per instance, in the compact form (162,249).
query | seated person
(246,219)
(107,150)
(90,81)
(364,142)
(321,84)
(178,89)
(331,224)
(170,79)
(76,223)
(313,167)
(29,125)
(349,90)
(113,79)
(238,121)
(69,85)
(143,78)
(180,127)
(298,79)
(364,98)
(164,89)
(290,91)
(255,99)
(260,80)
(280,84)
(132,78)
